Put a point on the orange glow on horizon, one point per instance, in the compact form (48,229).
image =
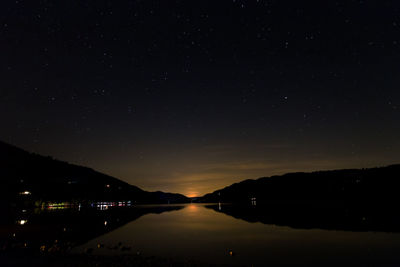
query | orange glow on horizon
(192,194)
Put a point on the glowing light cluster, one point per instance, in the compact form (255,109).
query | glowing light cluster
(105,205)
(22,222)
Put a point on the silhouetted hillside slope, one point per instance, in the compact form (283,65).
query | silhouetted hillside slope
(48,179)
(372,185)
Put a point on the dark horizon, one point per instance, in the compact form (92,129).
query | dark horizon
(190,97)
(39,166)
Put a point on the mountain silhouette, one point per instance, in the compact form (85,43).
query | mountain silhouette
(33,177)
(356,185)
(352,200)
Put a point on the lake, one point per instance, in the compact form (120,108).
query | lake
(202,233)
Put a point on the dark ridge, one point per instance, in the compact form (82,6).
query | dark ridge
(351,200)
(48,179)
(356,185)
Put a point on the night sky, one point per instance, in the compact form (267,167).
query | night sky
(191,96)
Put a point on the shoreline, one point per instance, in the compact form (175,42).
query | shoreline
(85,259)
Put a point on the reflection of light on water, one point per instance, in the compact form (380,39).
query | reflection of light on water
(219,206)
(193,208)
(22,222)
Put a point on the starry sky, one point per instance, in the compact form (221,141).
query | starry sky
(190,96)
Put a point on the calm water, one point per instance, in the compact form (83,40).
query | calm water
(195,232)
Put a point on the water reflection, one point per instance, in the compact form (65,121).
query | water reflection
(62,226)
(202,233)
(205,235)
(192,208)
(357,218)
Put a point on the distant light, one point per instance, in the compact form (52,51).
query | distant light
(25,193)
(192,194)
(105,223)
(58,206)
(22,222)
(108,186)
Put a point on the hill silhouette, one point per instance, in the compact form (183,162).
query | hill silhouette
(352,200)
(351,185)
(45,178)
